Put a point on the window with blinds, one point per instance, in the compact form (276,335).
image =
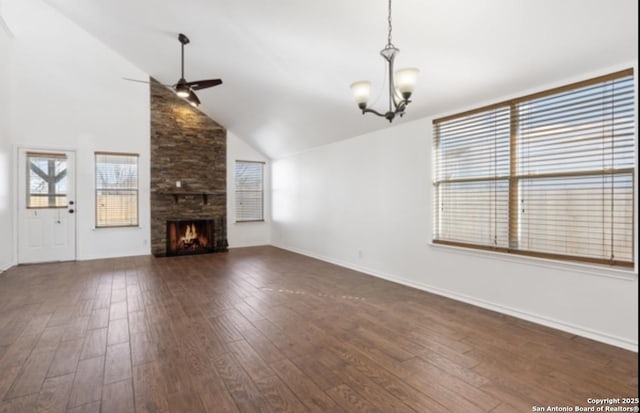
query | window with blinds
(249,191)
(548,175)
(116,190)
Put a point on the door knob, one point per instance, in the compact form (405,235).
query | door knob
(71,211)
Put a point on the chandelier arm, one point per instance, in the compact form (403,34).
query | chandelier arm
(390,115)
(375,112)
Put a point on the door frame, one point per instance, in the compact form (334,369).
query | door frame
(16,194)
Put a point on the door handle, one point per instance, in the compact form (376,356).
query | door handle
(71,211)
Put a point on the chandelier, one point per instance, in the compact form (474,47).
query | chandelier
(400,87)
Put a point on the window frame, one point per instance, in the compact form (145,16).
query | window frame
(515,177)
(136,189)
(237,191)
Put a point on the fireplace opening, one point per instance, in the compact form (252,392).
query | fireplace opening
(190,236)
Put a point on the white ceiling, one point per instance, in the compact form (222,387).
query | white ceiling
(287,64)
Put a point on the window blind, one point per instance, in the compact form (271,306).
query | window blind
(249,191)
(116,190)
(472,178)
(549,175)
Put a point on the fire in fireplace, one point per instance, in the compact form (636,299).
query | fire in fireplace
(193,236)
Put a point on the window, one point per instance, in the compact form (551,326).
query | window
(46,180)
(116,190)
(249,191)
(548,175)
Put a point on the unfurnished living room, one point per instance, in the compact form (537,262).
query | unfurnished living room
(331,206)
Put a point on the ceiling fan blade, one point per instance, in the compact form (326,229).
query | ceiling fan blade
(147,82)
(136,80)
(193,99)
(203,84)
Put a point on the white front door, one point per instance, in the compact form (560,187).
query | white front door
(46,206)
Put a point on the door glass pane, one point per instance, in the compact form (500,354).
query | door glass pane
(47,181)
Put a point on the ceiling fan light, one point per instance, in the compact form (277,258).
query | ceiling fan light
(361,91)
(405,81)
(182,89)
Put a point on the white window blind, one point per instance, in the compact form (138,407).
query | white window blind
(249,191)
(472,178)
(116,190)
(548,175)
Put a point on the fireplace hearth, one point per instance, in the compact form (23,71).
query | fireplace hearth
(190,236)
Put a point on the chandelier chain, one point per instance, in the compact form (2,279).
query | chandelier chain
(390,26)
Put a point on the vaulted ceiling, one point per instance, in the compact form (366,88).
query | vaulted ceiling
(287,64)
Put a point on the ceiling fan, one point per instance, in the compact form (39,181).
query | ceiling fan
(183,88)
(186,89)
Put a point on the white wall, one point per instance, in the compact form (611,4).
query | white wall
(6,156)
(67,92)
(245,234)
(366,203)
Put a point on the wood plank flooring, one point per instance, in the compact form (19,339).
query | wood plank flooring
(265,330)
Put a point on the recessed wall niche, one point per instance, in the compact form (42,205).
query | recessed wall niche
(187,147)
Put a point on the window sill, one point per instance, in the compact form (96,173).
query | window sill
(590,269)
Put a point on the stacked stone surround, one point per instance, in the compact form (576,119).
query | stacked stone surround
(186,146)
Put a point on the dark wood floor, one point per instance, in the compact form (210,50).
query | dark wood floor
(265,330)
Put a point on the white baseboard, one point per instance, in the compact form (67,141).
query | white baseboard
(535,318)
(4,266)
(249,245)
(90,257)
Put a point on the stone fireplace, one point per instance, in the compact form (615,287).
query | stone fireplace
(188,176)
